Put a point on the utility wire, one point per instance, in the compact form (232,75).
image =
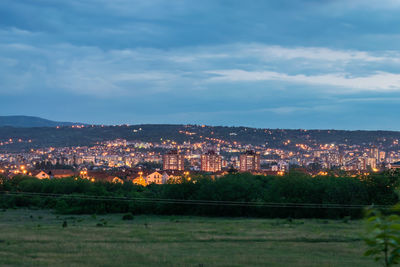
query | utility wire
(193,202)
(189,200)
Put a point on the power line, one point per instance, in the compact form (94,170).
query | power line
(189,200)
(194,202)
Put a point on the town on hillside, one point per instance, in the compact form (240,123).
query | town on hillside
(166,161)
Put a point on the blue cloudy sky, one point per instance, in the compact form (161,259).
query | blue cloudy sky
(270,64)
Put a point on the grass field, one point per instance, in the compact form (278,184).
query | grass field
(37,238)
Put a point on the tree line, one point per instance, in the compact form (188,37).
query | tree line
(295,195)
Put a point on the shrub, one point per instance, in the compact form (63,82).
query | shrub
(383,237)
(127,217)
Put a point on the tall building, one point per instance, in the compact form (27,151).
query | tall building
(173,160)
(249,161)
(210,162)
(382,156)
(371,162)
(374,153)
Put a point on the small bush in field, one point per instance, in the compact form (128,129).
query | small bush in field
(127,217)
(346,219)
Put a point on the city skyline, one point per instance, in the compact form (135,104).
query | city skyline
(199,133)
(264,64)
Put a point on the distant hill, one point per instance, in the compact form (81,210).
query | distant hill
(29,121)
(270,138)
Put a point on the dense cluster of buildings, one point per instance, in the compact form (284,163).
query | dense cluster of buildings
(211,162)
(146,162)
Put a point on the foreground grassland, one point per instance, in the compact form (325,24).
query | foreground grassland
(37,238)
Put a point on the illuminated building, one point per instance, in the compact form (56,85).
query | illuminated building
(374,153)
(140,180)
(382,156)
(371,162)
(395,165)
(249,161)
(210,162)
(154,177)
(173,161)
(39,174)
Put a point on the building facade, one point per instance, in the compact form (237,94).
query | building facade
(173,160)
(211,162)
(249,161)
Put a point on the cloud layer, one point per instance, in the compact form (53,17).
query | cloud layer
(288,64)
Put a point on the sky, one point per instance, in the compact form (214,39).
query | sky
(311,64)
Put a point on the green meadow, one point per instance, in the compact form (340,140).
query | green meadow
(38,238)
